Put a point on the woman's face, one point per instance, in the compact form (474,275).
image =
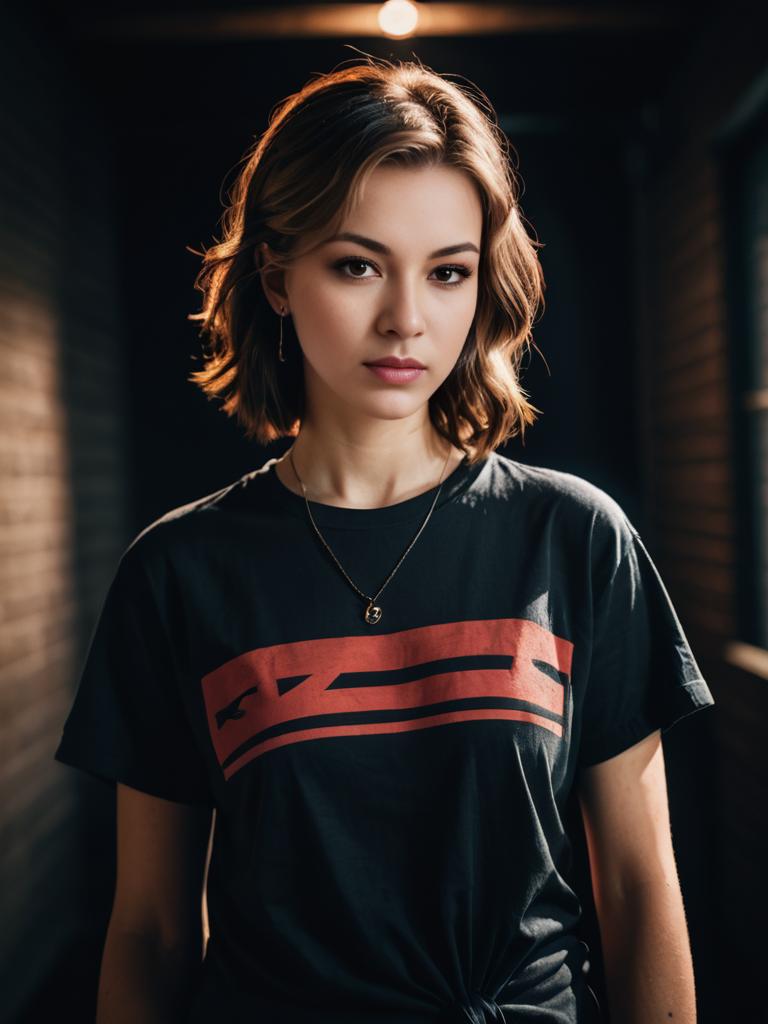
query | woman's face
(387,293)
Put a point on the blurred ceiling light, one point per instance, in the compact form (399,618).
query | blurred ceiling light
(398,18)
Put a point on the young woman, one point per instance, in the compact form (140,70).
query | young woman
(379,664)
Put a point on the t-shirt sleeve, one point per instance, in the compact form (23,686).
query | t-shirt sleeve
(128,723)
(643,675)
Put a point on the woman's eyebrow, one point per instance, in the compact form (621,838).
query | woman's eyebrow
(370,243)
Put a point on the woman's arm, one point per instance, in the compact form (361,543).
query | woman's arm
(155,939)
(141,981)
(643,930)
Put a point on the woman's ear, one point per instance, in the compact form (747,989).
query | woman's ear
(272,281)
(261,254)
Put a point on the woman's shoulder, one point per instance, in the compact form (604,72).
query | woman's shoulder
(189,525)
(562,490)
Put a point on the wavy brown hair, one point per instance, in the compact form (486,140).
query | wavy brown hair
(298,183)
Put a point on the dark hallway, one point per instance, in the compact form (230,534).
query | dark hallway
(641,137)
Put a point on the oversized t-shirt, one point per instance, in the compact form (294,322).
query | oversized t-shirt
(389,843)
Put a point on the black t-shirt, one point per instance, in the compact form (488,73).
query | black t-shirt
(389,842)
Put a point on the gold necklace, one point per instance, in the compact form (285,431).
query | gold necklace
(372,613)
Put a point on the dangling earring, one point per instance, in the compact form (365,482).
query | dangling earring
(280,355)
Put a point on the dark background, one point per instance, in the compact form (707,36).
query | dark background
(633,128)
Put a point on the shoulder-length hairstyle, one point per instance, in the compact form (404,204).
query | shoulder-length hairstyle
(300,181)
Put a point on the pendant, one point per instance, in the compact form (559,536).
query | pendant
(372,613)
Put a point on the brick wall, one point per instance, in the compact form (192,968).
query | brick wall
(686,394)
(62,468)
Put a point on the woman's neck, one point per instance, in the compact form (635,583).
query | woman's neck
(363,481)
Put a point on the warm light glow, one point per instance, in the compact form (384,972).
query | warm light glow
(398,17)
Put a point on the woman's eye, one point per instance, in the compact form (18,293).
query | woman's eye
(353,263)
(462,271)
(356,261)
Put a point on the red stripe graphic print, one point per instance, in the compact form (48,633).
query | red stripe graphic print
(417,678)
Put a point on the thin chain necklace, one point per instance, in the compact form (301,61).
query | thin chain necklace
(372,613)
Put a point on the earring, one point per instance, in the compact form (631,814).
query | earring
(280,355)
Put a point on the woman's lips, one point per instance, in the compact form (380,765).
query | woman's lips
(396,374)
